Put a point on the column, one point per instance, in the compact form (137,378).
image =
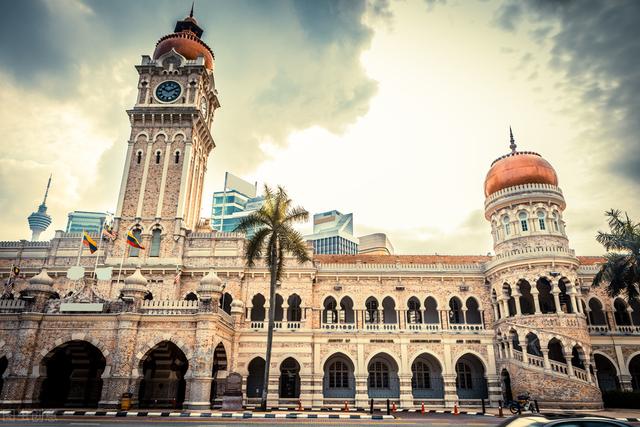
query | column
(569,365)
(516,299)
(496,314)
(199,377)
(362,396)
(494,390)
(545,357)
(406,392)
(587,367)
(536,300)
(248,318)
(273,398)
(285,315)
(509,349)
(307,383)
(555,291)
(574,305)
(266,312)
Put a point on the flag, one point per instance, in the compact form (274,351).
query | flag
(176,279)
(109,233)
(89,242)
(133,241)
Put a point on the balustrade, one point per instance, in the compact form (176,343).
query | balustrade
(12,305)
(558,367)
(535,360)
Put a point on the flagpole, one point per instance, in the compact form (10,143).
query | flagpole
(124,251)
(81,247)
(95,275)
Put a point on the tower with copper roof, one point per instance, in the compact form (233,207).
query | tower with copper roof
(161,190)
(40,220)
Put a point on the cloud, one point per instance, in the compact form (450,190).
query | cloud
(596,47)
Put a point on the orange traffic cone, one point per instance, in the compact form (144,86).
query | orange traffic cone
(455,409)
(300,405)
(346,406)
(422,409)
(393,407)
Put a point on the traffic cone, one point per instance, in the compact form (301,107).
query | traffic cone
(346,406)
(422,409)
(455,409)
(300,405)
(393,407)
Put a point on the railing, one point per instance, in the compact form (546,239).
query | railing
(256,324)
(598,328)
(535,360)
(279,324)
(580,373)
(517,355)
(169,307)
(424,327)
(465,327)
(380,326)
(558,367)
(338,326)
(628,329)
(617,329)
(12,305)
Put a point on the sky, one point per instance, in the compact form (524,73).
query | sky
(392,110)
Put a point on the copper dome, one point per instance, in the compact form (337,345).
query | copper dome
(186,41)
(517,168)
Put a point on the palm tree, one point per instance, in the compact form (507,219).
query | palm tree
(273,236)
(621,271)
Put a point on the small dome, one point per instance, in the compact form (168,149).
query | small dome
(41,278)
(210,279)
(517,168)
(136,278)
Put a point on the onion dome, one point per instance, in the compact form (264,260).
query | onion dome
(518,168)
(135,286)
(136,279)
(237,307)
(210,286)
(41,279)
(186,41)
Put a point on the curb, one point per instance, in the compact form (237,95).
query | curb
(179,414)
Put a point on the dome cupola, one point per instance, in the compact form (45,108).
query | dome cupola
(518,168)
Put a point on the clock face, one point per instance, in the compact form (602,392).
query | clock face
(204,106)
(168,91)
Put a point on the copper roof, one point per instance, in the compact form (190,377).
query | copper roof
(591,260)
(517,168)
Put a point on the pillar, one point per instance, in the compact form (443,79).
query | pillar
(516,299)
(545,357)
(450,391)
(267,307)
(201,364)
(536,301)
(574,305)
(362,396)
(496,314)
(406,392)
(556,299)
(494,390)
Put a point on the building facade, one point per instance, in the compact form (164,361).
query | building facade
(238,200)
(178,317)
(91,222)
(333,234)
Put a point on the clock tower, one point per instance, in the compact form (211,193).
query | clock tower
(161,190)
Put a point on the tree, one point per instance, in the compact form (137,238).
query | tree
(621,271)
(273,236)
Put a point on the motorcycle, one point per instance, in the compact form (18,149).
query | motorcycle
(522,403)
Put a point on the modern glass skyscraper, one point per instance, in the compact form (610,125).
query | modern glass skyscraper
(237,200)
(333,234)
(91,222)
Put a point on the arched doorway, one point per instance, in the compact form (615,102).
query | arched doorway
(456,316)
(556,352)
(294,311)
(255,380)
(606,373)
(634,370)
(473,312)
(346,314)
(257,309)
(383,377)
(218,375)
(431,315)
(225,302)
(73,376)
(426,378)
(339,381)
(505,379)
(470,379)
(163,371)
(596,315)
(545,298)
(527,305)
(289,379)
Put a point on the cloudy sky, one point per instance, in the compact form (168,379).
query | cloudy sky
(390,110)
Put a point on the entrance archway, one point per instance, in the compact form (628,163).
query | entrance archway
(255,380)
(426,377)
(383,377)
(163,371)
(73,376)
(606,373)
(505,379)
(470,379)
(289,379)
(339,381)
(3,368)
(634,370)
(218,373)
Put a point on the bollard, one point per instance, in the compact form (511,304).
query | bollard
(371,406)
(300,405)
(484,409)
(388,407)
(422,408)
(500,414)
(537,407)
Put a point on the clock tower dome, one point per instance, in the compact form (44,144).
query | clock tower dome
(161,190)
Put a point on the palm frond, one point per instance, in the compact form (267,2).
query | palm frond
(293,243)
(297,214)
(255,220)
(255,246)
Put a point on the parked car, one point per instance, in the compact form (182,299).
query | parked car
(562,421)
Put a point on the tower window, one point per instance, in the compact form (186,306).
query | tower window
(135,251)
(158,157)
(541,222)
(523,221)
(155,243)
(177,159)
(138,157)
(506,225)
(556,223)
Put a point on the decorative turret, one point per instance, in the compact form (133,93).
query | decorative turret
(135,287)
(40,220)
(210,287)
(39,290)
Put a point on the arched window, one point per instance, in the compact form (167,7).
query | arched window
(541,223)
(620,313)
(372,315)
(421,375)
(158,154)
(338,375)
(294,311)
(413,314)
(523,217)
(156,236)
(177,157)
(191,297)
(330,314)
(139,157)
(506,225)
(455,313)
(556,222)
(137,233)
(463,379)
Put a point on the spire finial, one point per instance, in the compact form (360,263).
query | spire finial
(46,193)
(513,142)
(191,13)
